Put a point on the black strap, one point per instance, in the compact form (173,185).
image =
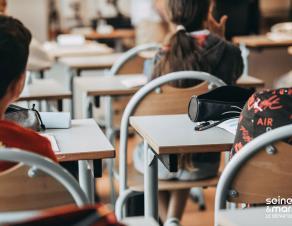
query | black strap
(43,127)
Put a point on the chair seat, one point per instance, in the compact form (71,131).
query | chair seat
(136,182)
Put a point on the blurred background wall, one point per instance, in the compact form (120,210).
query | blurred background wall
(33,13)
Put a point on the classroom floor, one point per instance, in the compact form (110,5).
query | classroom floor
(192,217)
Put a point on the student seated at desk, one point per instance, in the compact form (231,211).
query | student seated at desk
(263,112)
(192,47)
(14,50)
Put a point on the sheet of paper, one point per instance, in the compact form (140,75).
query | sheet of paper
(230,125)
(53,142)
(134,82)
(56,120)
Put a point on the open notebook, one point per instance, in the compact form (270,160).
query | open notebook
(53,142)
(229,125)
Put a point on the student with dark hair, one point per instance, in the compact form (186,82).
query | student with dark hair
(15,39)
(192,47)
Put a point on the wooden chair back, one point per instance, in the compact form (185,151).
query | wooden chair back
(169,100)
(264,176)
(134,65)
(20,192)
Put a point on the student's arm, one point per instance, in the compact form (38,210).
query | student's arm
(216,27)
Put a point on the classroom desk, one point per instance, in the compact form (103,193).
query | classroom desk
(256,42)
(79,64)
(88,49)
(251,217)
(115,34)
(86,87)
(83,142)
(104,86)
(47,90)
(250,82)
(260,41)
(172,134)
(90,62)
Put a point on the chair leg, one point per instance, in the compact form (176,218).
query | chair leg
(197,195)
(110,166)
(121,201)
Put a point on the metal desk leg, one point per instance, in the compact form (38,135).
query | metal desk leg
(86,178)
(81,102)
(150,183)
(110,133)
(244,54)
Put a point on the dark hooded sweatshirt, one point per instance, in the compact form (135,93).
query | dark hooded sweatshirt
(224,59)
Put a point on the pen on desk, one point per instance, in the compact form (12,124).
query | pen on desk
(210,125)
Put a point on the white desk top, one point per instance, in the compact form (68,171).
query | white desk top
(83,141)
(251,217)
(88,49)
(106,85)
(45,89)
(250,82)
(90,62)
(175,134)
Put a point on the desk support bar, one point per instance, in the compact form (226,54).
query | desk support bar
(86,178)
(245,55)
(150,183)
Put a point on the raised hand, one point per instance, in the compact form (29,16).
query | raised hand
(214,26)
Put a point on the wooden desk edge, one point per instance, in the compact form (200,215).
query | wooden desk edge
(248,42)
(120,92)
(115,34)
(49,97)
(163,150)
(65,157)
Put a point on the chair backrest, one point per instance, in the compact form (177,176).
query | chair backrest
(36,183)
(169,100)
(134,65)
(130,62)
(261,170)
(147,93)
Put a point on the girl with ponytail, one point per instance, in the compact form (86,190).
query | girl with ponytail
(197,44)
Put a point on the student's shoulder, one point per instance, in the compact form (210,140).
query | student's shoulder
(215,40)
(10,128)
